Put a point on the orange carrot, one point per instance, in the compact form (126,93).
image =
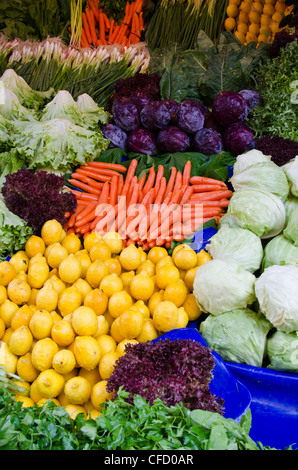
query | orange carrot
(141,21)
(131,170)
(186,173)
(186,195)
(104,195)
(159,175)
(86,210)
(87,180)
(150,181)
(132,185)
(87,218)
(115,33)
(141,181)
(80,196)
(86,28)
(134,33)
(162,189)
(95,10)
(120,37)
(178,181)
(114,190)
(107,21)
(111,166)
(138,6)
(176,196)
(111,32)
(84,39)
(220,202)
(212,196)
(200,188)
(91,22)
(171,181)
(101,26)
(84,186)
(205,180)
(99,171)
(120,184)
(80,173)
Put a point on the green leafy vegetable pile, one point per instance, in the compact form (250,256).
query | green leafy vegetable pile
(277,82)
(121,426)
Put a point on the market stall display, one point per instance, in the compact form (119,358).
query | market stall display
(111,112)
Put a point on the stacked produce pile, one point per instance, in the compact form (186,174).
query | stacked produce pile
(256,21)
(68,311)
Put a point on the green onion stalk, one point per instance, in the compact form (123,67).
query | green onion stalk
(211,20)
(76,10)
(191,24)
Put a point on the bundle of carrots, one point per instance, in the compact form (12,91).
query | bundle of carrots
(105,185)
(99,30)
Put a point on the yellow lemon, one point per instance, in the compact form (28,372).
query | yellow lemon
(23,387)
(154,300)
(240,36)
(148,332)
(126,278)
(7,273)
(58,285)
(107,364)
(18,291)
(230,23)
(2,328)
(142,307)
(176,292)
(189,277)
(70,269)
(242,28)
(191,307)
(69,299)
(90,239)
(111,284)
(7,334)
(103,326)
(130,324)
(83,286)
(142,286)
(77,390)
(55,254)
(156,253)
(84,260)
(34,393)
(100,251)
(119,302)
(75,410)
(25,368)
(165,316)
(22,316)
(186,258)
(166,274)
(106,343)
(51,232)
(87,351)
(94,413)
(41,324)
(121,347)
(203,257)
(64,361)
(3,294)
(163,262)
(97,299)
(34,245)
(113,266)
(63,333)
(96,272)
(38,271)
(148,267)
(91,375)
(115,331)
(7,358)
(182,318)
(84,321)
(99,394)
(71,243)
(49,383)
(7,311)
(114,241)
(43,352)
(232,10)
(20,341)
(47,297)
(130,258)
(45,401)
(20,261)
(26,401)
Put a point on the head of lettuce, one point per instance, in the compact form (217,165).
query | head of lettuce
(221,285)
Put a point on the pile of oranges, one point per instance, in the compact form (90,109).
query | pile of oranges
(68,308)
(255,21)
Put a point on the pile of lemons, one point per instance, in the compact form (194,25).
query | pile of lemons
(255,21)
(68,308)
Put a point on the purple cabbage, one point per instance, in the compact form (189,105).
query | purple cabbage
(238,138)
(252,97)
(208,141)
(171,139)
(115,134)
(125,114)
(155,115)
(141,99)
(142,141)
(212,123)
(173,107)
(191,116)
(172,370)
(229,107)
